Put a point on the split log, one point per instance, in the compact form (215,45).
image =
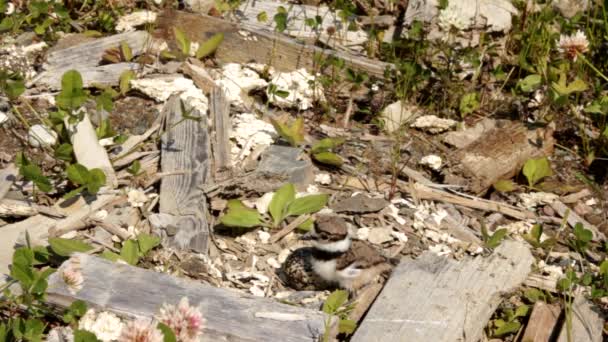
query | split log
(134,292)
(587,324)
(8,175)
(542,322)
(243,44)
(220,110)
(500,153)
(185,159)
(440,299)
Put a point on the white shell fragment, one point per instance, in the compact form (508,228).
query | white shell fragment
(250,132)
(534,199)
(3,118)
(396,114)
(130,21)
(237,81)
(433,161)
(301,88)
(41,136)
(323,178)
(433,124)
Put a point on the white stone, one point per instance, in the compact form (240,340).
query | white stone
(130,21)
(3,118)
(396,114)
(323,178)
(41,136)
(161,89)
(363,233)
(380,235)
(300,85)
(433,124)
(250,132)
(440,249)
(433,161)
(399,236)
(534,199)
(257,291)
(237,81)
(263,236)
(36,47)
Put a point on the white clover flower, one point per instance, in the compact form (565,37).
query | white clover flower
(141,331)
(106,326)
(71,274)
(452,17)
(10,8)
(573,45)
(137,198)
(186,321)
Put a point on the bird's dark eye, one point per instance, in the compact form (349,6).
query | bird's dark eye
(323,236)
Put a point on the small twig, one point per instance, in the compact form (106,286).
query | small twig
(289,228)
(113,229)
(99,242)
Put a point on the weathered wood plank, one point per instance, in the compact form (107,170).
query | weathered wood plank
(106,75)
(587,324)
(220,110)
(439,299)
(8,175)
(185,159)
(231,316)
(243,43)
(542,322)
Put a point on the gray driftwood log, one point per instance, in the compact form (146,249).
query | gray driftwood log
(439,299)
(134,292)
(220,113)
(185,163)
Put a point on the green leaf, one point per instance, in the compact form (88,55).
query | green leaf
(104,100)
(327,144)
(307,225)
(169,335)
(240,216)
(126,52)
(23,256)
(262,17)
(328,158)
(534,295)
(64,152)
(105,129)
(507,328)
(147,242)
(14,88)
(96,181)
(280,19)
(135,168)
(347,326)
(529,83)
(334,301)
(209,46)
(522,311)
(78,174)
(280,200)
(505,185)
(294,134)
(182,40)
(41,255)
(3,332)
(72,95)
(33,330)
(469,103)
(307,204)
(84,336)
(74,193)
(23,274)
(33,173)
(78,307)
(130,252)
(65,247)
(110,256)
(582,234)
(40,283)
(125,81)
(496,238)
(537,169)
(604,267)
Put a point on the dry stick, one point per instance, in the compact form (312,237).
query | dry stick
(113,229)
(289,228)
(78,219)
(100,242)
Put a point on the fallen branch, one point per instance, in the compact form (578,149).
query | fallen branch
(289,228)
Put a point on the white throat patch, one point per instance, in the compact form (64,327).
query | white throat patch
(334,247)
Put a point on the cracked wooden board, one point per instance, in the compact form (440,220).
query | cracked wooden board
(439,299)
(134,292)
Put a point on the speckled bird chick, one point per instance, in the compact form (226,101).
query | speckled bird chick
(336,258)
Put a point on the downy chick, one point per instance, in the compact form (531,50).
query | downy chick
(336,258)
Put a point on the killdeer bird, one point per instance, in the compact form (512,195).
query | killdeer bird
(337,259)
(297,271)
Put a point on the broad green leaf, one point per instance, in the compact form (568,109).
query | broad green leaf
(507,328)
(529,83)
(40,283)
(334,301)
(240,216)
(347,326)
(307,225)
(64,152)
(505,185)
(23,274)
(169,335)
(328,158)
(126,52)
(522,311)
(72,95)
(23,256)
(74,192)
(537,169)
(78,308)
(147,242)
(130,252)
(182,40)
(65,247)
(294,134)
(104,100)
(262,17)
(84,336)
(582,234)
(78,174)
(97,180)
(41,255)
(33,330)
(125,81)
(604,267)
(280,200)
(209,46)
(33,173)
(307,204)
(110,256)
(564,89)
(14,88)
(496,238)
(469,103)
(3,332)
(326,144)
(105,129)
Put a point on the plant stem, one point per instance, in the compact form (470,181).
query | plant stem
(599,73)
(20,116)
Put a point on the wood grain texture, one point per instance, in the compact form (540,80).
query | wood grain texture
(185,152)
(106,75)
(542,322)
(500,153)
(230,316)
(219,108)
(587,322)
(243,44)
(440,299)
